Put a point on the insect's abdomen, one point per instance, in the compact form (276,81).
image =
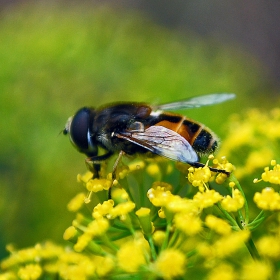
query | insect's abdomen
(202,139)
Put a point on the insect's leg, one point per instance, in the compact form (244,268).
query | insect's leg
(93,163)
(114,172)
(199,164)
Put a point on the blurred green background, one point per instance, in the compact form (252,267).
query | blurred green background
(56,58)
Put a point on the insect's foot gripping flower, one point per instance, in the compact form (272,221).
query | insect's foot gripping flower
(223,164)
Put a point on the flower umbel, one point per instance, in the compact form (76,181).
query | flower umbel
(155,231)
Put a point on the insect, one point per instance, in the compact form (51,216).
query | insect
(132,128)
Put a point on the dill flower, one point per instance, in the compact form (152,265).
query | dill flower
(145,220)
(131,255)
(101,210)
(229,244)
(272,176)
(218,225)
(171,263)
(76,203)
(97,185)
(268,199)
(159,194)
(104,265)
(177,204)
(224,164)
(256,270)
(121,210)
(159,237)
(234,203)
(198,177)
(188,224)
(30,272)
(222,271)
(269,246)
(224,246)
(207,199)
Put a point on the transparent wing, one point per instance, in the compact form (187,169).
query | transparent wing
(164,142)
(197,101)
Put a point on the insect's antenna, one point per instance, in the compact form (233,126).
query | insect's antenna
(217,170)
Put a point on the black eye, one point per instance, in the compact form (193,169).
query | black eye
(79,129)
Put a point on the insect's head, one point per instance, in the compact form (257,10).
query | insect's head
(79,128)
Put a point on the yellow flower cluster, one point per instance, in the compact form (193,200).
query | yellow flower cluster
(272,176)
(268,199)
(252,140)
(160,230)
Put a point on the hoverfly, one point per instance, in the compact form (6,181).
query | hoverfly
(131,128)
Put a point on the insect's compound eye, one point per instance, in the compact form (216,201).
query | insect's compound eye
(79,130)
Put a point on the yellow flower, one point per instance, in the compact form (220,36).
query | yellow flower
(222,271)
(224,164)
(73,272)
(104,265)
(272,176)
(131,255)
(268,199)
(153,170)
(171,263)
(85,241)
(82,242)
(256,270)
(218,225)
(158,237)
(145,220)
(85,177)
(136,165)
(30,272)
(188,224)
(122,172)
(101,210)
(97,227)
(121,210)
(198,177)
(8,276)
(234,203)
(207,198)
(70,233)
(177,204)
(159,195)
(97,185)
(76,203)
(228,244)
(269,246)
(224,246)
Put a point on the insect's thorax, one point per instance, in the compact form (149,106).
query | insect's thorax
(118,119)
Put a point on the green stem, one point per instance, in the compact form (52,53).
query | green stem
(252,249)
(152,246)
(231,220)
(174,238)
(167,234)
(258,220)
(246,207)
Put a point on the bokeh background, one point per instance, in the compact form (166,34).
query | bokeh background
(56,57)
